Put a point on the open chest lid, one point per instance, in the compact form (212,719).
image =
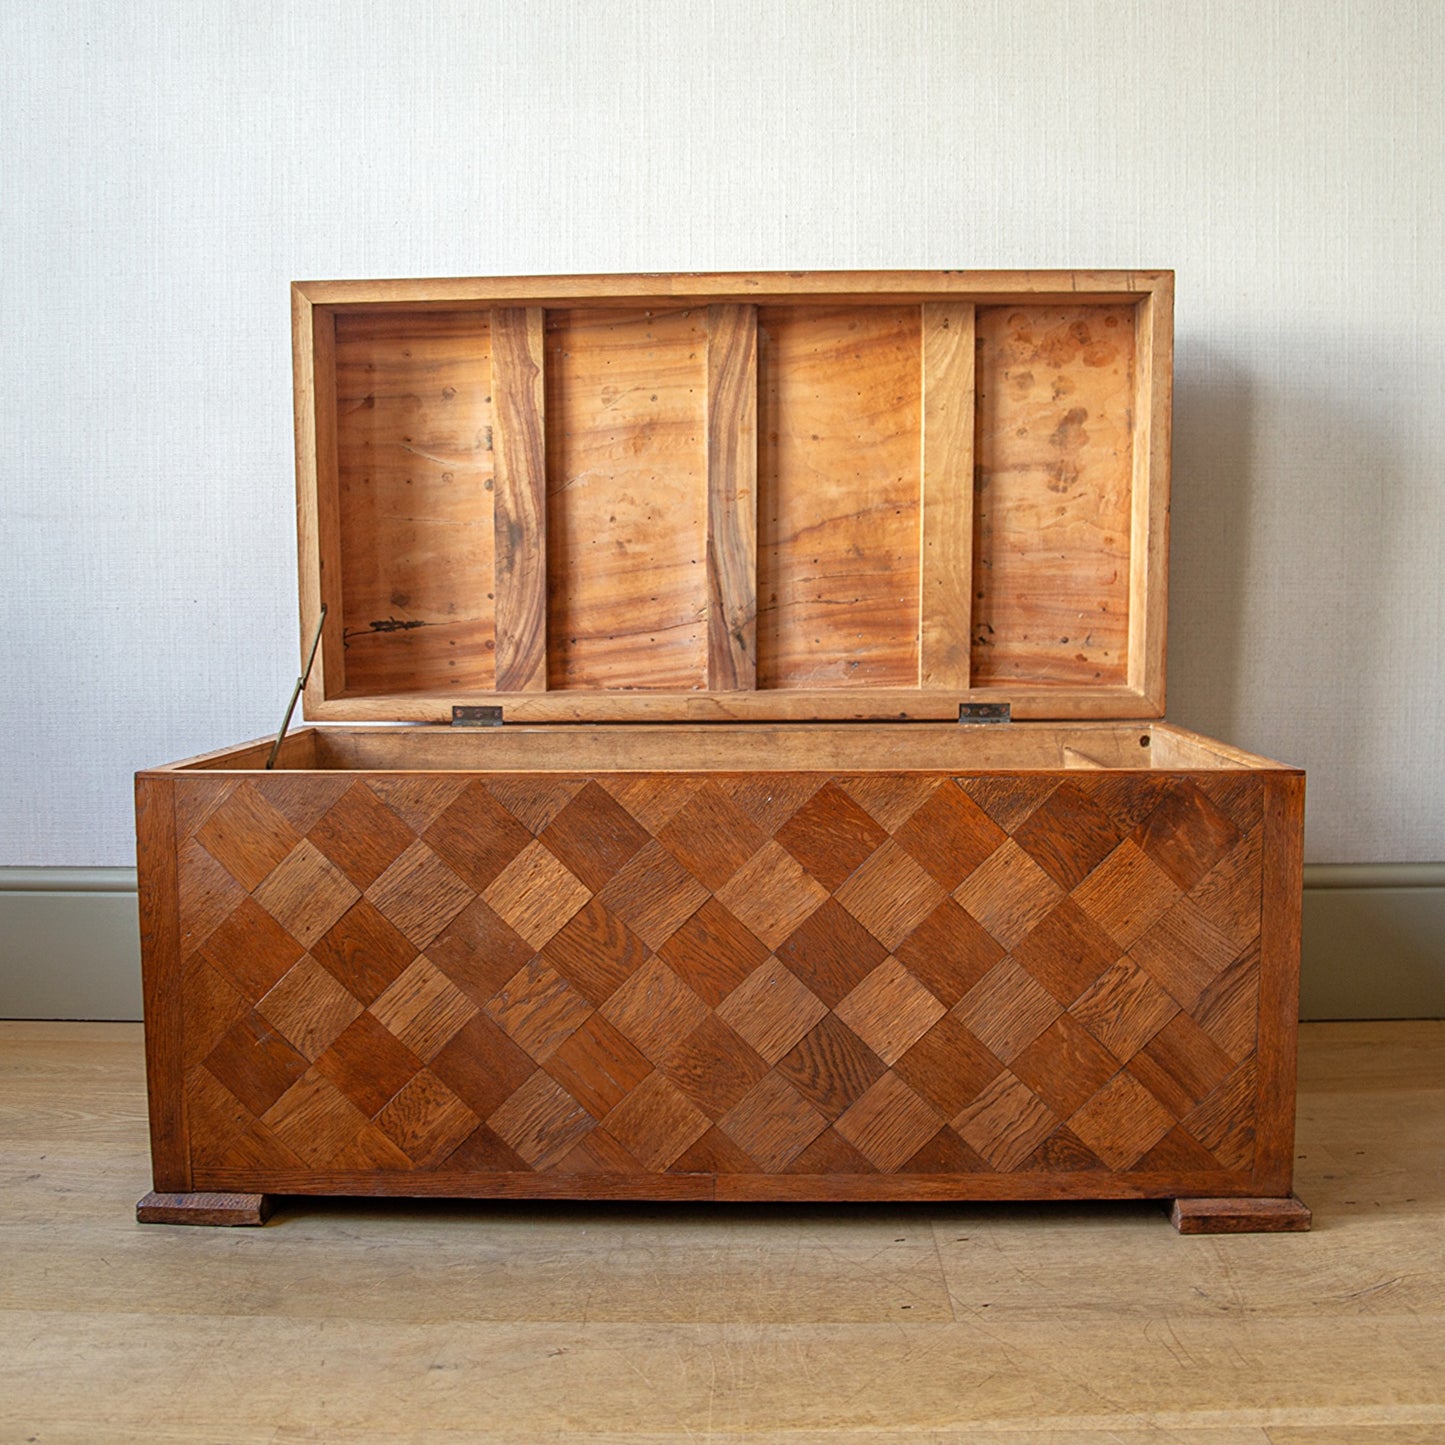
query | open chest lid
(705,497)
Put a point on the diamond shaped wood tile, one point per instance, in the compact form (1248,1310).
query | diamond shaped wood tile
(1007,1009)
(251,948)
(314,1119)
(364,950)
(773,1123)
(368,1063)
(536,894)
(712,837)
(479,951)
(361,835)
(596,952)
(1006,1123)
(949,952)
(713,952)
(771,894)
(1124,1008)
(948,1066)
(949,835)
(890,1010)
(1186,834)
(247,836)
(889,1123)
(308,1007)
(306,893)
(653,894)
(1122,1121)
(831,952)
(482,1066)
(423,1008)
(255,1063)
(831,1067)
(426,1120)
(1068,835)
(830,835)
(890,895)
(559,974)
(713,1066)
(593,836)
(419,894)
(541,1121)
(1066,951)
(1008,893)
(772,1009)
(656,1122)
(476,837)
(1126,894)
(539,1009)
(598,1066)
(653,1008)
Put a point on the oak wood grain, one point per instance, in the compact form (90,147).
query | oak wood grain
(157,862)
(627,499)
(946,547)
(413,486)
(1055,477)
(520,499)
(732,496)
(838,422)
(1276,1215)
(203,1208)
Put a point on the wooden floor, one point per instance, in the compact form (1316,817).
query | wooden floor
(450,1322)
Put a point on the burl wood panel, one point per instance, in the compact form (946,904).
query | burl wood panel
(839,416)
(414,476)
(627,498)
(1054,438)
(708,985)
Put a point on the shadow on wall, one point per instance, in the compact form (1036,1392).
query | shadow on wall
(1297,517)
(1208,540)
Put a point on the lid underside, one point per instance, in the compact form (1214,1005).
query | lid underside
(873,495)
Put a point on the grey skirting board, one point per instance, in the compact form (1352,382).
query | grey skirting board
(1374,942)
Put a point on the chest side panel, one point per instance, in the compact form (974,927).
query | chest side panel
(975,984)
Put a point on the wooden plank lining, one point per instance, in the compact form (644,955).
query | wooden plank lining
(414,484)
(732,497)
(838,528)
(520,510)
(945,594)
(1149,522)
(1053,514)
(318,521)
(626,444)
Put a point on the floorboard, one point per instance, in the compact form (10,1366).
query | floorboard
(448,1322)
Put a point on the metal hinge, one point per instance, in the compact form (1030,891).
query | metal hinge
(296,692)
(981,713)
(476,717)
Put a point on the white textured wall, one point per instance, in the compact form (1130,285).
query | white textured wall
(167,168)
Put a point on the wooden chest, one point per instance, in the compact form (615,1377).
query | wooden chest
(824,846)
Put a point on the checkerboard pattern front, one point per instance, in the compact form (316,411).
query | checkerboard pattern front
(633,977)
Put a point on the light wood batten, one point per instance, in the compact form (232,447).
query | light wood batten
(318,512)
(1149,519)
(945,592)
(732,497)
(520,514)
